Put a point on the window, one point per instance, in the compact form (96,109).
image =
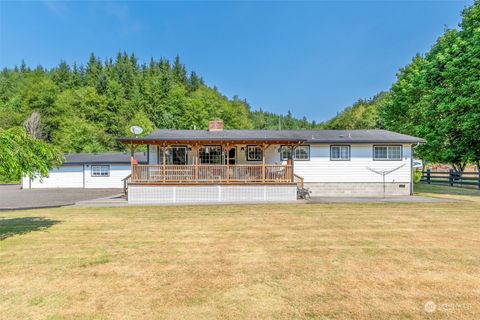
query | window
(173,155)
(286,153)
(387,152)
(254,153)
(100,171)
(340,153)
(302,153)
(211,155)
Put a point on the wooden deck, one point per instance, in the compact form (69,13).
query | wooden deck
(208,174)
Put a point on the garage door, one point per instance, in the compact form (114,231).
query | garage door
(63,177)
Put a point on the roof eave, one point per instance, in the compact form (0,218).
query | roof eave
(365,141)
(169,140)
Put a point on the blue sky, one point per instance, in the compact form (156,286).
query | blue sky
(313,58)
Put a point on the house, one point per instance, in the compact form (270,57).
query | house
(217,165)
(88,170)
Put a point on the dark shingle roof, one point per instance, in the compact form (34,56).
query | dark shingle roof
(308,136)
(113,157)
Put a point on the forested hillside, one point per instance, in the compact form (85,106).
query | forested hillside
(84,108)
(363,114)
(436,96)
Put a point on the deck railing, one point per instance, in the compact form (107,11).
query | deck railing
(126,181)
(206,173)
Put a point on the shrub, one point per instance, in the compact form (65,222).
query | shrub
(417,175)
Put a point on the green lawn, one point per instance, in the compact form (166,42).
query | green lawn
(443,189)
(325,261)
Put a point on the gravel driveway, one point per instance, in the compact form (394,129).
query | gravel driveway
(12,197)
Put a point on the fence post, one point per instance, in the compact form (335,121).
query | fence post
(428,176)
(450,177)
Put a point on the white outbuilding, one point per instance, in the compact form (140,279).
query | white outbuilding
(88,170)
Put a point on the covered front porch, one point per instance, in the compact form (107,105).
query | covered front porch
(207,173)
(216,162)
(200,166)
(211,173)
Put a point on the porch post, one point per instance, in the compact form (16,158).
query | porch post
(227,151)
(197,160)
(132,162)
(163,161)
(292,157)
(263,163)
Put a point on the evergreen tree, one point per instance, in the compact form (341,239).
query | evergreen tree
(85,108)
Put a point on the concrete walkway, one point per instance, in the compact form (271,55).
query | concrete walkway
(401,199)
(12,197)
(120,200)
(117,200)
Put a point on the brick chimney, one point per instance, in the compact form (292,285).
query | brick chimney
(215,125)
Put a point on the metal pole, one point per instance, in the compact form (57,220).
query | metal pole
(384,173)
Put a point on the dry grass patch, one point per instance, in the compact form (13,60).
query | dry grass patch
(252,261)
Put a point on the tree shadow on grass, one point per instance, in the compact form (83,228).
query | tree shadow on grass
(16,226)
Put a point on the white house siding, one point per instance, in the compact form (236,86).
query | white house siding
(67,176)
(337,178)
(117,173)
(321,169)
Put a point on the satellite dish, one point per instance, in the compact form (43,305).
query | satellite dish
(136,130)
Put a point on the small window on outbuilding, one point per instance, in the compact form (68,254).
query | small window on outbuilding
(100,171)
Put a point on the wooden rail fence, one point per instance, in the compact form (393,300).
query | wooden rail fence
(451,178)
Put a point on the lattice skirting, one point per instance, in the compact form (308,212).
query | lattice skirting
(142,194)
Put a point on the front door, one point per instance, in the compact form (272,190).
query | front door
(232,156)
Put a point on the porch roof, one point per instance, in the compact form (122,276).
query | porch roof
(273,136)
